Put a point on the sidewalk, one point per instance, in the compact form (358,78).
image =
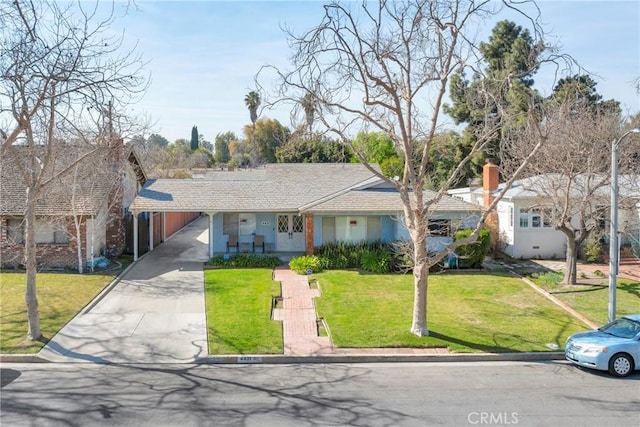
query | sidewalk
(626,271)
(153,314)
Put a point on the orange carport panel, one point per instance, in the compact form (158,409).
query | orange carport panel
(176,220)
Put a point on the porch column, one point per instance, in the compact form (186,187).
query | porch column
(164,226)
(309,220)
(150,231)
(211,214)
(135,235)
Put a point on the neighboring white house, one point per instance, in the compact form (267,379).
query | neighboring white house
(526,233)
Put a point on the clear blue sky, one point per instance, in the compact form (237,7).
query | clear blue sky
(203,55)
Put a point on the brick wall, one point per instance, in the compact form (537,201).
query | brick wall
(48,255)
(309,226)
(116,239)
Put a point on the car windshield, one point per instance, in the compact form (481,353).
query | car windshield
(623,328)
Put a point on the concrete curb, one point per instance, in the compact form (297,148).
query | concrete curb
(380,358)
(22,358)
(278,359)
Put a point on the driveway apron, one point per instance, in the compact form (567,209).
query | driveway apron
(154,314)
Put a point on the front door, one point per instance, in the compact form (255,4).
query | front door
(290,233)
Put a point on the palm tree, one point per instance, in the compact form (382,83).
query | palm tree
(252,101)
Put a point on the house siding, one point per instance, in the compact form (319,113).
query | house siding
(324,228)
(527,243)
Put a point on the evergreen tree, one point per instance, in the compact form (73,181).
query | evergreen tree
(580,91)
(511,58)
(222,146)
(195,142)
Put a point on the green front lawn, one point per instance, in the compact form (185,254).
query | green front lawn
(60,297)
(238,304)
(467,312)
(592,299)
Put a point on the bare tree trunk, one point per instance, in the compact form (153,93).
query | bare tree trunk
(571,266)
(418,231)
(76,222)
(93,240)
(420,282)
(30,262)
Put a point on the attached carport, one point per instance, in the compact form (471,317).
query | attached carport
(159,226)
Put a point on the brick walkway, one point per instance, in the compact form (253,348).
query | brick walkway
(300,327)
(298,316)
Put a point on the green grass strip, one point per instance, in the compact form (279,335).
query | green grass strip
(238,304)
(60,297)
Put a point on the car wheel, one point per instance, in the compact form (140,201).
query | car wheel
(620,365)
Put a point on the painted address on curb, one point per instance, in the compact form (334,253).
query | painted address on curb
(249,359)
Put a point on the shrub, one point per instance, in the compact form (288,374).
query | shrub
(550,279)
(592,250)
(472,255)
(246,261)
(340,255)
(304,263)
(377,261)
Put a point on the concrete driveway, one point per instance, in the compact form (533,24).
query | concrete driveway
(154,314)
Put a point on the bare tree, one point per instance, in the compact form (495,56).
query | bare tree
(386,66)
(59,70)
(570,176)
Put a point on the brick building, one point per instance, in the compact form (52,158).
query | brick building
(80,210)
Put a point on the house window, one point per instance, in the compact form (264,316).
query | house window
(373,228)
(60,236)
(230,224)
(536,218)
(351,228)
(243,224)
(247,225)
(328,229)
(524,218)
(533,218)
(15,231)
(440,227)
(511,213)
(297,225)
(50,232)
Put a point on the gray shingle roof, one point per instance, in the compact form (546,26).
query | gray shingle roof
(55,199)
(94,181)
(281,186)
(598,185)
(316,187)
(385,200)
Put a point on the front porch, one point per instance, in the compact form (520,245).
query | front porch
(285,235)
